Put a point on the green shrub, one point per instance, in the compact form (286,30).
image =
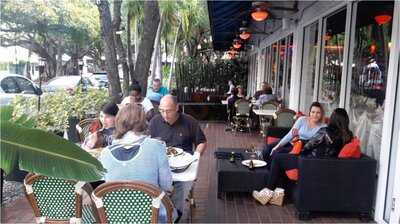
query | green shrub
(56,108)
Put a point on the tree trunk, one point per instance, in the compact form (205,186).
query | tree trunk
(120,46)
(107,34)
(151,21)
(156,53)
(173,56)
(129,46)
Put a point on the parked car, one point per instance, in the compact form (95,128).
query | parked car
(12,85)
(70,82)
(99,79)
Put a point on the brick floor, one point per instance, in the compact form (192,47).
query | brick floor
(232,208)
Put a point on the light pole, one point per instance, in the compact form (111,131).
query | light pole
(42,63)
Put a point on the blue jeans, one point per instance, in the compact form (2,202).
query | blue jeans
(181,193)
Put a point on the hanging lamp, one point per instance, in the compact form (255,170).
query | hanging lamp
(244,33)
(259,14)
(382,19)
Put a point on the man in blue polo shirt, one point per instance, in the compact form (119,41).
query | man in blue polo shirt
(157,91)
(178,130)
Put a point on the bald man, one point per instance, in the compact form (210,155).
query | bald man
(178,130)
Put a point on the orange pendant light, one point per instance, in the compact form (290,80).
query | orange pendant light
(244,34)
(382,19)
(237,45)
(259,15)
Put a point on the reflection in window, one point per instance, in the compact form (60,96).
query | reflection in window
(267,63)
(369,73)
(282,53)
(289,70)
(274,65)
(332,60)
(310,43)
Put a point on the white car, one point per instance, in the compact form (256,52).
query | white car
(99,79)
(66,83)
(12,85)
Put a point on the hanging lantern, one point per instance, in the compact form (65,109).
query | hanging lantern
(372,48)
(259,14)
(244,34)
(237,45)
(382,19)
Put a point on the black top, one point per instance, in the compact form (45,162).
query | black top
(325,143)
(183,133)
(107,136)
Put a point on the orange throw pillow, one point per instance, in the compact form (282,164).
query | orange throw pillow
(297,146)
(351,149)
(292,174)
(270,140)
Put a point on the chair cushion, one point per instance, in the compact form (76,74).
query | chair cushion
(297,146)
(351,149)
(292,174)
(270,140)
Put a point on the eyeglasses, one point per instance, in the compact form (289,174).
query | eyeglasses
(165,111)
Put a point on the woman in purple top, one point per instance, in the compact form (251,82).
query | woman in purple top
(304,128)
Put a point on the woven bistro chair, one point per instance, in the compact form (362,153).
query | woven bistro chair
(241,119)
(130,202)
(266,121)
(284,118)
(83,127)
(56,200)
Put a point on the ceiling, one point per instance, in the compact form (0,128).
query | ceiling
(226,18)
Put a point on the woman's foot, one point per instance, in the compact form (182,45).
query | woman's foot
(277,197)
(263,196)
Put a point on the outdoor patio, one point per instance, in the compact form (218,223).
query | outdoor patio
(232,208)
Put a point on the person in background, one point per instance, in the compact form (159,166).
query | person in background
(241,94)
(135,97)
(267,96)
(157,91)
(264,88)
(104,136)
(304,129)
(231,103)
(134,155)
(182,131)
(231,86)
(326,143)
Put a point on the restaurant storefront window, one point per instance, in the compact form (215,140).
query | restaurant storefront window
(281,70)
(274,65)
(332,60)
(310,43)
(289,50)
(369,72)
(267,63)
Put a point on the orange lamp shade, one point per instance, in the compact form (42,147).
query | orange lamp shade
(372,49)
(382,19)
(259,15)
(237,45)
(244,35)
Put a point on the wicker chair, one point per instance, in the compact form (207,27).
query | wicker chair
(266,121)
(57,200)
(284,118)
(83,128)
(241,119)
(130,202)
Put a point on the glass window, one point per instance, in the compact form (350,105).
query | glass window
(289,48)
(281,70)
(369,74)
(267,63)
(274,65)
(9,85)
(310,43)
(25,85)
(332,60)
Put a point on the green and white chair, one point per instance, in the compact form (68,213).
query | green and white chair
(130,202)
(58,201)
(242,117)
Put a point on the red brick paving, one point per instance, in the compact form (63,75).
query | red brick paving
(232,208)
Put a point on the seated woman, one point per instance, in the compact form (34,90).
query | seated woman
(241,94)
(304,128)
(267,96)
(326,143)
(134,155)
(104,136)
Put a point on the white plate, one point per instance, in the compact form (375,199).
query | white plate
(181,161)
(256,162)
(179,151)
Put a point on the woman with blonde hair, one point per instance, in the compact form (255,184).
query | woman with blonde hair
(133,155)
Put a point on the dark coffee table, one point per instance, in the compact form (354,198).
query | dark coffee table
(235,177)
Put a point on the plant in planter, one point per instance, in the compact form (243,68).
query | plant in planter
(34,150)
(57,109)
